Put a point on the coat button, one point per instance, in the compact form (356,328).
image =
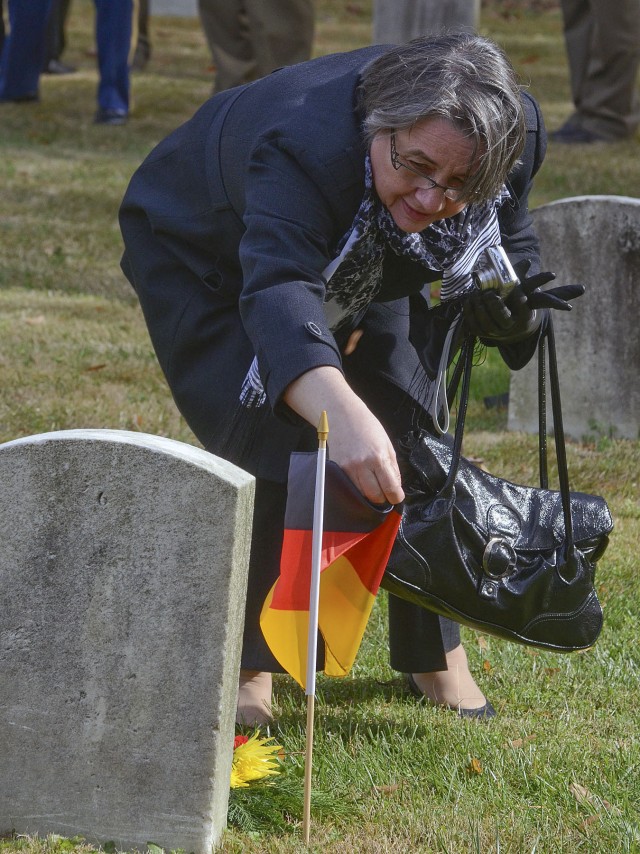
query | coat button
(313,328)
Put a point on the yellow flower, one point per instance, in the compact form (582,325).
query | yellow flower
(253,759)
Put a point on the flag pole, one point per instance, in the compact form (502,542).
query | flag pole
(314,597)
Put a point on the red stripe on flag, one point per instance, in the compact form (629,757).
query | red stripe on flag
(292,590)
(370,555)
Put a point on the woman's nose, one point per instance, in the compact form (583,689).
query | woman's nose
(431,199)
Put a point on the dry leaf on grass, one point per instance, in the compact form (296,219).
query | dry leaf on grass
(387,790)
(475,766)
(584,796)
(520,742)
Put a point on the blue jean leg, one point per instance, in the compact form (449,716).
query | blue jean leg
(23,49)
(114,24)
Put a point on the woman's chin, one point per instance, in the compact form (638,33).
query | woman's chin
(408,219)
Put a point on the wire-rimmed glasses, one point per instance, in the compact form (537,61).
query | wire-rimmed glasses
(454,194)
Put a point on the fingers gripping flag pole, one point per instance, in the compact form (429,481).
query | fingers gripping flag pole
(314,600)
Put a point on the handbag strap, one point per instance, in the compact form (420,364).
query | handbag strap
(558,431)
(463,371)
(542,416)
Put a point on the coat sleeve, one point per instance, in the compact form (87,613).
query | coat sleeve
(518,234)
(516,225)
(291,234)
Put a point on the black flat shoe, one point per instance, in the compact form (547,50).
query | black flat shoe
(569,135)
(110,117)
(483,713)
(27,98)
(54,66)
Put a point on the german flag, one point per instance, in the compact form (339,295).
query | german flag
(356,543)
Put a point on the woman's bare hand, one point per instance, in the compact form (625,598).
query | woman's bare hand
(357,441)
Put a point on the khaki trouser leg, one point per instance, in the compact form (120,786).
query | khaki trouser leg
(251,38)
(603,49)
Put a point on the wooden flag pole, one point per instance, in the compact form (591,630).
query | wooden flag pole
(314,598)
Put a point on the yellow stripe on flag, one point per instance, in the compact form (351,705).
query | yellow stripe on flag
(345,606)
(286,633)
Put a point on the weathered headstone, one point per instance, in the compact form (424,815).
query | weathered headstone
(398,21)
(594,240)
(175,8)
(123,567)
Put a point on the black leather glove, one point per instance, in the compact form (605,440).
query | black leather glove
(490,317)
(556,298)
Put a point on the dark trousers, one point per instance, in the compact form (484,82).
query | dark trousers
(114,25)
(23,49)
(55,39)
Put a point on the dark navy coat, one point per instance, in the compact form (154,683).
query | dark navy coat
(228,225)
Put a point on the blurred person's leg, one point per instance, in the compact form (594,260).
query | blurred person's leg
(23,50)
(251,38)
(114,27)
(55,40)
(226,28)
(281,32)
(142,52)
(603,49)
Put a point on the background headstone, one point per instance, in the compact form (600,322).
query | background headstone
(594,240)
(123,567)
(397,21)
(177,8)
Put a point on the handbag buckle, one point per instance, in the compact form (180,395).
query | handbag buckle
(499,558)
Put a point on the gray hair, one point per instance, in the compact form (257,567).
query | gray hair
(462,77)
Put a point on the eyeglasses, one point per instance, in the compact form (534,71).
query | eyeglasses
(454,194)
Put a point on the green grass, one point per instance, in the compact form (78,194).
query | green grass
(559,769)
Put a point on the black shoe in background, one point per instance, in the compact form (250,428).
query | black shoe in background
(575,135)
(110,117)
(54,66)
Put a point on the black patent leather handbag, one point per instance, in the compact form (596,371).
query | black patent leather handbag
(510,560)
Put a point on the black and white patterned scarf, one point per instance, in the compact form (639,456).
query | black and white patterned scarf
(450,246)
